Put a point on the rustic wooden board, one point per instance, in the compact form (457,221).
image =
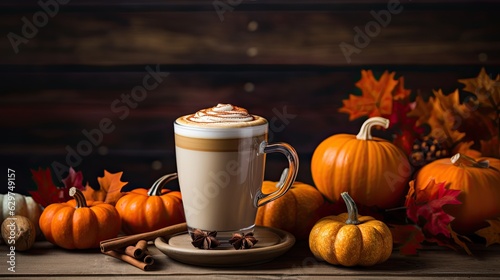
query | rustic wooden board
(413,36)
(46,260)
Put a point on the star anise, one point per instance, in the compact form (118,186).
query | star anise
(243,241)
(204,239)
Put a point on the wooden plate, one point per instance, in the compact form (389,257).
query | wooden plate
(271,243)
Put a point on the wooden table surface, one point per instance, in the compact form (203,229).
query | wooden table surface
(45,260)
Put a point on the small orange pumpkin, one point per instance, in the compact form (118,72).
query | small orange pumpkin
(479,183)
(296,211)
(374,171)
(79,224)
(349,239)
(144,210)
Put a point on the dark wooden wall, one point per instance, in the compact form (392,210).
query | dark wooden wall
(268,56)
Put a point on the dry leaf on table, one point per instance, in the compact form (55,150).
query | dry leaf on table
(491,233)
(409,238)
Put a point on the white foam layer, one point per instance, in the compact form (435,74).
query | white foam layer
(219,132)
(222,113)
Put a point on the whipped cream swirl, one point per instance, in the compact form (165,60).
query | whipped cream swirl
(222,113)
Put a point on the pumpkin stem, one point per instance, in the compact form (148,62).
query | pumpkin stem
(81,202)
(352,209)
(157,187)
(365,132)
(463,160)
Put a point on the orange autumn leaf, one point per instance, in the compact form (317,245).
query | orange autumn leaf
(491,233)
(400,93)
(441,113)
(486,89)
(376,96)
(110,188)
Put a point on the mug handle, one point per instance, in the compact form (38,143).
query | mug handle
(287,177)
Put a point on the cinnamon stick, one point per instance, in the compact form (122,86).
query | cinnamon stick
(128,259)
(142,245)
(124,241)
(134,252)
(148,259)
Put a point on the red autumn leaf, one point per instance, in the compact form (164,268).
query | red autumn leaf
(428,204)
(376,97)
(110,188)
(47,192)
(410,238)
(74,179)
(491,233)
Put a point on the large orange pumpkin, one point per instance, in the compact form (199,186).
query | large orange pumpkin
(144,210)
(372,170)
(296,211)
(79,224)
(479,183)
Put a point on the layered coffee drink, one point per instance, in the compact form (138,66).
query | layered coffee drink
(220,155)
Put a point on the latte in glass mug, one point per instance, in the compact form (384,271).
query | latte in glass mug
(220,156)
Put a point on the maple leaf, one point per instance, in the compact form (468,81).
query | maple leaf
(110,188)
(484,88)
(376,96)
(47,192)
(74,179)
(441,113)
(409,236)
(400,93)
(427,204)
(491,233)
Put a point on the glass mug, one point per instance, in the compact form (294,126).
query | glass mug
(221,170)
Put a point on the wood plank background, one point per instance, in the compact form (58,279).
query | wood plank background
(272,57)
